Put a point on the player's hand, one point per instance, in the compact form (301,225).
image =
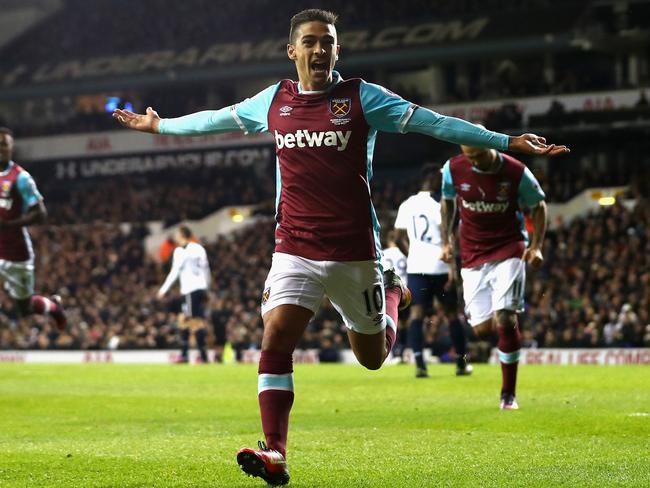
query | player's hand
(160,295)
(144,123)
(447,254)
(533,257)
(532,144)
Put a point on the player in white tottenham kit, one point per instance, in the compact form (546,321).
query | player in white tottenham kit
(190,264)
(393,258)
(418,227)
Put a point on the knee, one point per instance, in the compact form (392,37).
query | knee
(506,319)
(373,364)
(483,330)
(275,340)
(272,338)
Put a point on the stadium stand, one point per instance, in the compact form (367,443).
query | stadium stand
(473,77)
(165,197)
(604,302)
(91,249)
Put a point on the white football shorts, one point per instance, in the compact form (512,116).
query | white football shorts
(18,277)
(493,286)
(355,288)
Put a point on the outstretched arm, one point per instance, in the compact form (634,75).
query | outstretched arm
(452,129)
(199,123)
(386,111)
(250,115)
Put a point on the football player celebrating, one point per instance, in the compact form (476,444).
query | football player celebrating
(327,233)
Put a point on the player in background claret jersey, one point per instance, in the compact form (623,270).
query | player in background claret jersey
(21,205)
(190,266)
(489,188)
(418,236)
(327,233)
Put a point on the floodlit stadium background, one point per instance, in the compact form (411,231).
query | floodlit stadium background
(576,72)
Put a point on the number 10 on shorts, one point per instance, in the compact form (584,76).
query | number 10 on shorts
(374,298)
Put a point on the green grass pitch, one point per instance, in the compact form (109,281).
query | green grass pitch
(139,426)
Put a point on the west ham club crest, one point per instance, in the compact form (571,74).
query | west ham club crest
(340,107)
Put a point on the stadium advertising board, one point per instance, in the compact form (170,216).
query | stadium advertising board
(540,105)
(569,357)
(126,142)
(129,357)
(398,38)
(395,37)
(565,357)
(138,164)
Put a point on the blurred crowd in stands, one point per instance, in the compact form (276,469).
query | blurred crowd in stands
(593,291)
(169,197)
(594,288)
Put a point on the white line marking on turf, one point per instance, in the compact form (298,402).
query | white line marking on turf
(639,414)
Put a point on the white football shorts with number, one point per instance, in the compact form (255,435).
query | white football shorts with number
(493,286)
(355,288)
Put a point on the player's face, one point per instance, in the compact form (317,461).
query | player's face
(6,148)
(480,158)
(314,52)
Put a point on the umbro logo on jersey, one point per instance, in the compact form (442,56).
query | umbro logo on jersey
(465,186)
(285,111)
(305,138)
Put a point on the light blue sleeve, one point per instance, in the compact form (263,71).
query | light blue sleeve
(451,129)
(252,114)
(249,115)
(383,109)
(529,192)
(200,123)
(448,190)
(27,189)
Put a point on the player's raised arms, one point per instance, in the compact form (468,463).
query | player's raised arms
(423,121)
